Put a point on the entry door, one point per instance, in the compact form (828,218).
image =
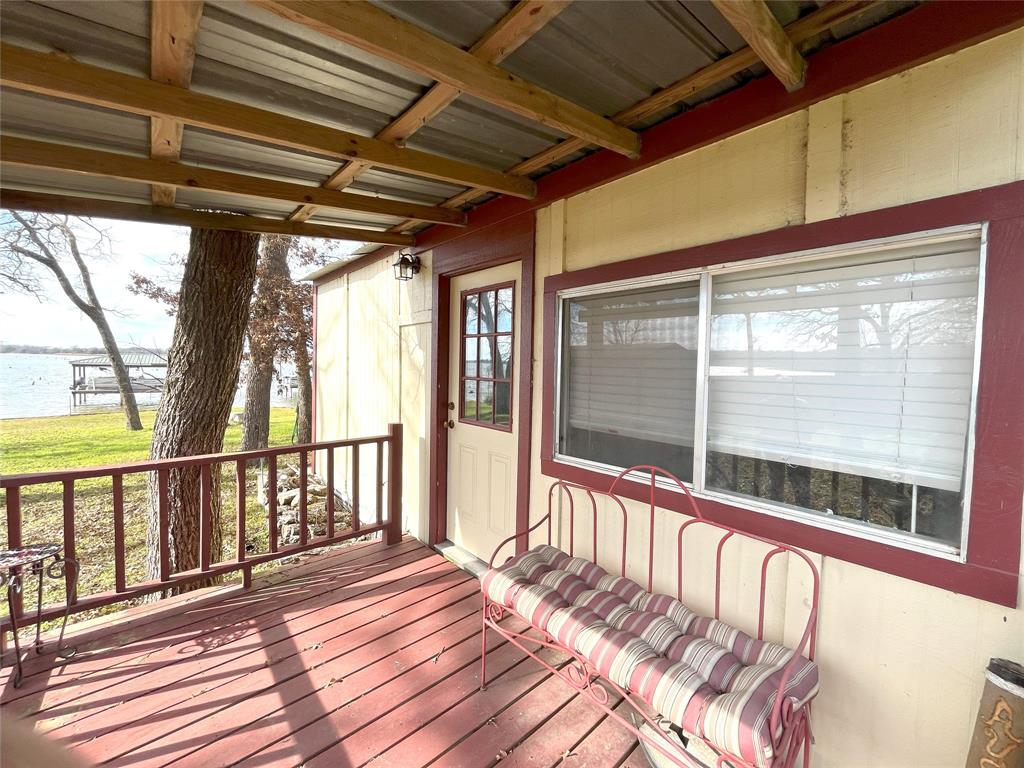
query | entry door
(483,407)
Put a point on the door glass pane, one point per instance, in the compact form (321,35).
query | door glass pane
(629,362)
(469,400)
(470,358)
(471,314)
(505,310)
(503,357)
(486,358)
(486,401)
(487,312)
(502,403)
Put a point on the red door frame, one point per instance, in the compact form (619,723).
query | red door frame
(506,242)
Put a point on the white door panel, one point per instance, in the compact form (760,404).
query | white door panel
(482,441)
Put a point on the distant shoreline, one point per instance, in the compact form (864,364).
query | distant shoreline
(30,349)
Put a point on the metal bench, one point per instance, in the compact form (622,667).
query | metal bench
(746,698)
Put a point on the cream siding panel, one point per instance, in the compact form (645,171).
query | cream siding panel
(332,359)
(750,183)
(942,128)
(416,351)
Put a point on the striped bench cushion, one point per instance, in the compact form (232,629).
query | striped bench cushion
(704,675)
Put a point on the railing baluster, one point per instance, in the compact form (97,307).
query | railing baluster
(303,501)
(240,509)
(70,553)
(272,501)
(205,515)
(380,482)
(330,493)
(117,492)
(14,533)
(355,488)
(162,515)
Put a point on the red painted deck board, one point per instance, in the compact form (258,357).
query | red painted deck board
(367,655)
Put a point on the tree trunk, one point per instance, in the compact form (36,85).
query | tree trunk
(304,399)
(256,418)
(202,374)
(132,420)
(264,339)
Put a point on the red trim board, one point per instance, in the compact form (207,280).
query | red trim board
(507,241)
(994,546)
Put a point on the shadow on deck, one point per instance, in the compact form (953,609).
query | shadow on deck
(364,655)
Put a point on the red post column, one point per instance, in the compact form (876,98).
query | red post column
(393,530)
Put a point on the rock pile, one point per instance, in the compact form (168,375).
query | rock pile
(288,482)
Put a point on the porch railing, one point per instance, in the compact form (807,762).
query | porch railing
(388,517)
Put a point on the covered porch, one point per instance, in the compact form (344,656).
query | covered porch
(532,157)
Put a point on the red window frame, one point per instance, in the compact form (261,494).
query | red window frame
(993,558)
(493,338)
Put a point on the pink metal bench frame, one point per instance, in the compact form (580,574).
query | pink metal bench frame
(787,741)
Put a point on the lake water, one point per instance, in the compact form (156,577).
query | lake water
(39,385)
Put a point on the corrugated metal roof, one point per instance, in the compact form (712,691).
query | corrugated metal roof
(603,54)
(130,359)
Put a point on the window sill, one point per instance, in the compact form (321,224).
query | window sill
(836,523)
(929,563)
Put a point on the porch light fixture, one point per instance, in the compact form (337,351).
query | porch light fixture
(406,266)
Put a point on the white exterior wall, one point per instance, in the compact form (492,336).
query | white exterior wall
(902,662)
(373,368)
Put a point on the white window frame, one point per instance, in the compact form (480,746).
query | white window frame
(705,275)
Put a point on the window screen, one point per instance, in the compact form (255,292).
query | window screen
(629,372)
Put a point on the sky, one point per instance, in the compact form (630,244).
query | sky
(154,250)
(149,249)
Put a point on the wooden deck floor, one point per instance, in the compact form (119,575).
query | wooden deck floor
(367,655)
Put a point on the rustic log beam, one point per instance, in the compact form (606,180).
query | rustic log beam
(165,173)
(173,28)
(512,30)
(54,75)
(766,37)
(161,214)
(376,31)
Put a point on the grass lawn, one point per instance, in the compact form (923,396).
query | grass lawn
(65,442)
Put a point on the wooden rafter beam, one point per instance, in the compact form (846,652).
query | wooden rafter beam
(758,26)
(52,75)
(162,214)
(376,31)
(174,25)
(500,41)
(799,31)
(168,173)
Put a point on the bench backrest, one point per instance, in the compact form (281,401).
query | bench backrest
(648,482)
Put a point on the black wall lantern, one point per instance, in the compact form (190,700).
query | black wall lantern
(406,266)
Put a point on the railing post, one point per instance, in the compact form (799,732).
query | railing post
(393,530)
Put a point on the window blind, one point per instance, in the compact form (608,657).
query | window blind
(861,364)
(632,363)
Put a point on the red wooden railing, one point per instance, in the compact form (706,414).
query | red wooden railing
(388,520)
